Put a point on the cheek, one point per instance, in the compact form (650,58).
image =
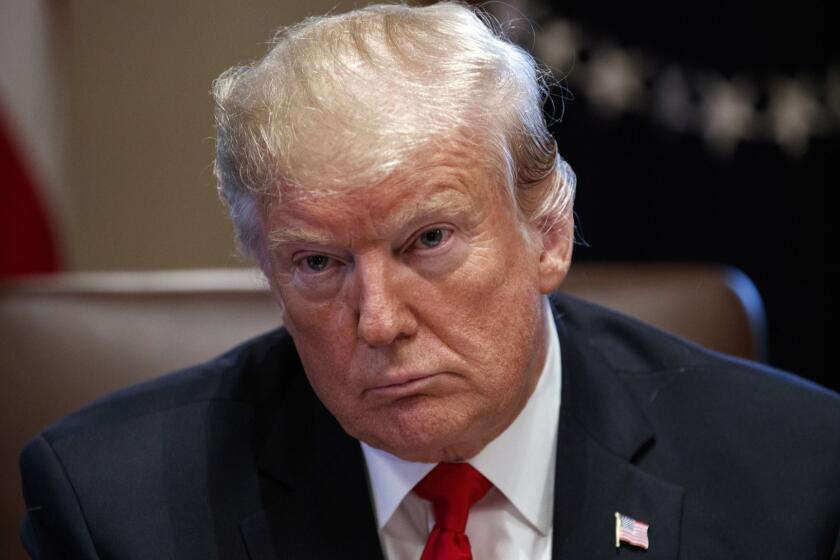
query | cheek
(325,338)
(324,362)
(491,289)
(490,313)
(306,317)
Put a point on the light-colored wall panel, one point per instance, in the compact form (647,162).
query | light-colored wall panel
(141,194)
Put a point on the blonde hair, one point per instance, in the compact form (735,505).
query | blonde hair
(347,99)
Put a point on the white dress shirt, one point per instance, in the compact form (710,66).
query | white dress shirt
(514,520)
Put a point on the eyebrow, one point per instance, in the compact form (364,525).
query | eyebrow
(298,235)
(447,201)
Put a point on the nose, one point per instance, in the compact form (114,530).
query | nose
(384,315)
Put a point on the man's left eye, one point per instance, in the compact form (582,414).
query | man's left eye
(431,238)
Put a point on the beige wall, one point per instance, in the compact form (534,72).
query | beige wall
(139,187)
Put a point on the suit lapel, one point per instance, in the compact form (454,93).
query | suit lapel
(314,485)
(601,431)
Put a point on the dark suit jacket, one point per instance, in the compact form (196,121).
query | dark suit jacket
(237,458)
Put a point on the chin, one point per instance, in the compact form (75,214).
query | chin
(433,453)
(423,438)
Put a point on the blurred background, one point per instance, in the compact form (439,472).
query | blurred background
(703,131)
(700,132)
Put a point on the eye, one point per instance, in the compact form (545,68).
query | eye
(432,238)
(316,263)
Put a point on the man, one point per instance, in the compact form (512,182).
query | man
(391,172)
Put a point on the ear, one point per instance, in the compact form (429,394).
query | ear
(556,254)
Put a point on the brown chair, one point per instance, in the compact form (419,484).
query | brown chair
(70,338)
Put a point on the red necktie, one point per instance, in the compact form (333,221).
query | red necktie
(452,488)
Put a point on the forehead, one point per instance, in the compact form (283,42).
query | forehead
(443,185)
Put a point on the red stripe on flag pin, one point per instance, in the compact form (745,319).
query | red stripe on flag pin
(631,531)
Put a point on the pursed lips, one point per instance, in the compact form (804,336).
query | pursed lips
(401,385)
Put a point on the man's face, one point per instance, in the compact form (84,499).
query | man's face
(415,306)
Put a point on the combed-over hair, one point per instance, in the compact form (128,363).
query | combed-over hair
(346,99)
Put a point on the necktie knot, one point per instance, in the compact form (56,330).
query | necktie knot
(452,488)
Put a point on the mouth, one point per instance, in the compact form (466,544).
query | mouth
(403,385)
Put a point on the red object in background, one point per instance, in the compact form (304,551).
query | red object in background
(27,243)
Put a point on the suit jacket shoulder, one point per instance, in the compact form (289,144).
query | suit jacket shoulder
(750,455)
(658,366)
(253,368)
(164,469)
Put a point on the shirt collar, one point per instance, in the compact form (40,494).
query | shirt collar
(527,482)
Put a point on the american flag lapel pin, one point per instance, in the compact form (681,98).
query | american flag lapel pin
(631,531)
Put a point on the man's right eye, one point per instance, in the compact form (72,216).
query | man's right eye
(317,263)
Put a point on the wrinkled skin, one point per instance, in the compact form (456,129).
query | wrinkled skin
(416,305)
